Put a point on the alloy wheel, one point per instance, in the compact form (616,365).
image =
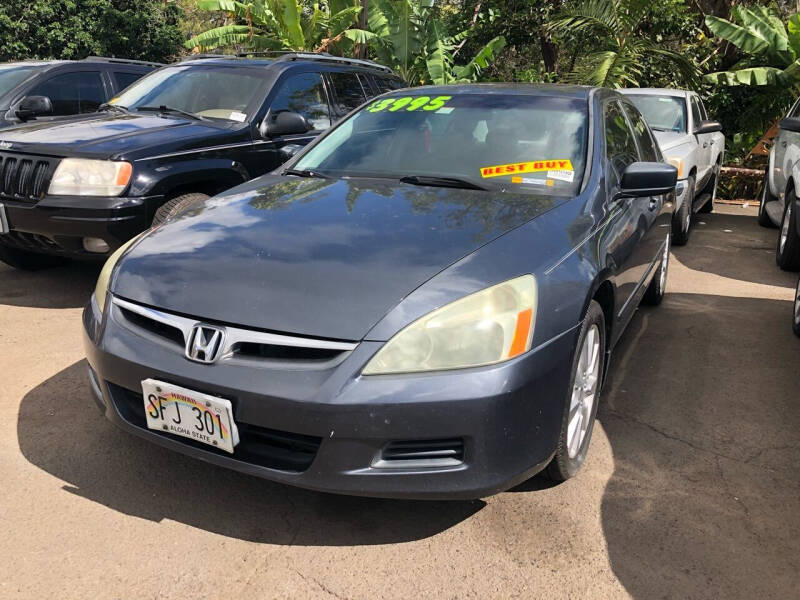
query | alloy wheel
(785,225)
(584,392)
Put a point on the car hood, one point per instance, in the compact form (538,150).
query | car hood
(106,135)
(671,139)
(323,258)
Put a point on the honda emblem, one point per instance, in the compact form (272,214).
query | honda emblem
(205,343)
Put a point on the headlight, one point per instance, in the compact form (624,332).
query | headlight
(84,177)
(101,287)
(678,164)
(484,328)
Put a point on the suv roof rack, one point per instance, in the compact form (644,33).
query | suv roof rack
(206,55)
(129,61)
(318,56)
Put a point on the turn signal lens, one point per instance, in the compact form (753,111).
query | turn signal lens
(678,164)
(87,177)
(484,328)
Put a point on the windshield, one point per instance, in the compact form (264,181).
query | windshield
(662,113)
(516,142)
(215,92)
(11,76)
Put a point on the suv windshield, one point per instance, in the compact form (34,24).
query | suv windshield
(214,92)
(517,142)
(12,75)
(662,113)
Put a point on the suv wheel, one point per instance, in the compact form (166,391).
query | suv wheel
(682,220)
(787,253)
(766,197)
(29,261)
(172,207)
(581,404)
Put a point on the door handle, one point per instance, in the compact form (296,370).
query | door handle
(783,144)
(705,144)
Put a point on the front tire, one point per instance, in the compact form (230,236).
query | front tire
(29,261)
(175,205)
(787,252)
(581,406)
(796,319)
(658,286)
(682,220)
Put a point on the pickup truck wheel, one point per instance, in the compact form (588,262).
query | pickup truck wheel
(172,207)
(766,197)
(29,261)
(682,220)
(787,253)
(796,319)
(580,407)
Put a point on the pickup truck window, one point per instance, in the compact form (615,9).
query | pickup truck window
(647,145)
(662,113)
(620,145)
(696,116)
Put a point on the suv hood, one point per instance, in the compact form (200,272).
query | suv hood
(108,135)
(672,139)
(322,258)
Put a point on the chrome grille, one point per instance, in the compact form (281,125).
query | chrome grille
(24,177)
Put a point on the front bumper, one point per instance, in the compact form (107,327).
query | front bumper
(58,225)
(335,425)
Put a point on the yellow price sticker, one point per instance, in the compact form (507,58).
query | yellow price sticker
(536,166)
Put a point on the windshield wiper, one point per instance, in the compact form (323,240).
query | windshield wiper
(113,107)
(305,173)
(436,181)
(170,109)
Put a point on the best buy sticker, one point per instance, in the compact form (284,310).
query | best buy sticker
(536,166)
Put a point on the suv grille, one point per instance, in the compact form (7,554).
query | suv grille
(23,177)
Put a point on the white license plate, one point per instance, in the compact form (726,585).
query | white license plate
(4,228)
(200,417)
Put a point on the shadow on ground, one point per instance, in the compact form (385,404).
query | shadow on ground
(66,286)
(106,465)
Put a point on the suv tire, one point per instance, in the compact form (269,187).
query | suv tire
(172,207)
(29,261)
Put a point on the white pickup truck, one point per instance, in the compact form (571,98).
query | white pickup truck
(691,142)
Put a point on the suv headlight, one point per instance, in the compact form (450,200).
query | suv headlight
(484,328)
(85,177)
(101,287)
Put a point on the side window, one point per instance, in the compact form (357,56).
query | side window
(648,148)
(795,110)
(696,116)
(620,145)
(702,106)
(348,91)
(387,84)
(304,94)
(368,88)
(125,79)
(73,93)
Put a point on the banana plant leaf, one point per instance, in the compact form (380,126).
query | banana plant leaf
(740,37)
(757,76)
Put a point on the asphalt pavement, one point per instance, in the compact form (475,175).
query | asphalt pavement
(691,489)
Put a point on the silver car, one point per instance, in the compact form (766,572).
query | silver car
(691,142)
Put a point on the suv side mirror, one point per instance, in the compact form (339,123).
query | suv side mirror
(285,122)
(790,124)
(648,179)
(708,127)
(34,106)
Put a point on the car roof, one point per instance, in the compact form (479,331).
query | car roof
(88,59)
(655,92)
(517,89)
(284,60)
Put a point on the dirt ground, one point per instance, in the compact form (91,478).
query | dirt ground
(691,489)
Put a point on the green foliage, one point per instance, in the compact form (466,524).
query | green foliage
(327,25)
(411,37)
(612,43)
(73,29)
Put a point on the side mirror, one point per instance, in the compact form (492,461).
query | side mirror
(285,122)
(288,151)
(648,179)
(790,124)
(34,106)
(708,127)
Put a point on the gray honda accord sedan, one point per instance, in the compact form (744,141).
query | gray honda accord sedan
(420,304)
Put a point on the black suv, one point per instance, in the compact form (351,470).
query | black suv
(50,89)
(81,188)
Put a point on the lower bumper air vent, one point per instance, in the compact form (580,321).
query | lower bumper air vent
(421,454)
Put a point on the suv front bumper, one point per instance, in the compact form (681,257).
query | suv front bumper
(59,225)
